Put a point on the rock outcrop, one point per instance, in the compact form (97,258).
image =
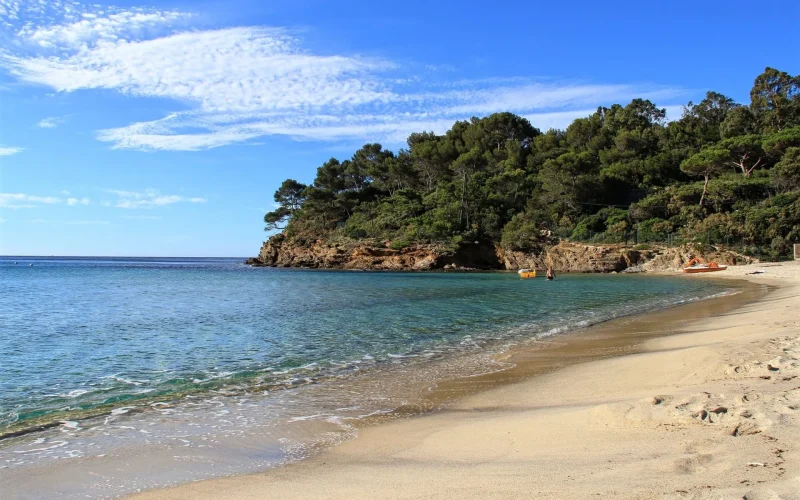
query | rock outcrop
(672,259)
(280,251)
(577,258)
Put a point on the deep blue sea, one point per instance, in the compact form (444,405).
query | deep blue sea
(82,333)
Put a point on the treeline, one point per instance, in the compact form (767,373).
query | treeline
(724,169)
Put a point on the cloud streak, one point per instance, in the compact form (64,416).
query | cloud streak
(50,122)
(149,198)
(6,151)
(15,201)
(21,200)
(246,82)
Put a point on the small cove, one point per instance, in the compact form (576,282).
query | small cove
(369,343)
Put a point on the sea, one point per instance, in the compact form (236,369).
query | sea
(191,368)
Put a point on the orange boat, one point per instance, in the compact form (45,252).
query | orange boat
(697,265)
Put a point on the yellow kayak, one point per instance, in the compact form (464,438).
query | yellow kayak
(527,273)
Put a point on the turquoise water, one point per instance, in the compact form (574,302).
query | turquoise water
(77,334)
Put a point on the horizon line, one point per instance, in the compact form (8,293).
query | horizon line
(127,256)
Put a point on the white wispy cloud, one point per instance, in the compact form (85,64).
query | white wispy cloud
(67,24)
(149,198)
(245,82)
(16,201)
(21,200)
(49,122)
(6,151)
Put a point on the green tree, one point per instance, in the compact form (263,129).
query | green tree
(777,144)
(746,152)
(568,182)
(431,156)
(738,121)
(705,164)
(289,197)
(775,100)
(330,176)
(786,173)
(701,122)
(464,167)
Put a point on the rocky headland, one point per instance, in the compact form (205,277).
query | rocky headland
(565,256)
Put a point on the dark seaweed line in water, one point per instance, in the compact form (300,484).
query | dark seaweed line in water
(226,388)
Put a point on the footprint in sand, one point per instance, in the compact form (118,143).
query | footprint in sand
(736,369)
(693,465)
(711,416)
(751,397)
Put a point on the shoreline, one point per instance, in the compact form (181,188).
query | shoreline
(360,466)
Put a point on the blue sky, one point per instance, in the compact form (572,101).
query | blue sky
(163,128)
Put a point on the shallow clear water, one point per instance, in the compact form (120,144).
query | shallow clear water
(76,334)
(153,372)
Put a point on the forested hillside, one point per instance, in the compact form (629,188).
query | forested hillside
(724,172)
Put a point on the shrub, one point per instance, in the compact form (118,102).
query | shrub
(654,230)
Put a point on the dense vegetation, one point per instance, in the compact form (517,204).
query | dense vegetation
(723,172)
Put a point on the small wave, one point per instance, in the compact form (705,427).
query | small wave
(308,417)
(212,376)
(373,413)
(69,395)
(122,411)
(56,444)
(126,380)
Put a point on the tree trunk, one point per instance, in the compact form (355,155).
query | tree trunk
(705,188)
(463,195)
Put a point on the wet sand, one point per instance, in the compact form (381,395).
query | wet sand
(624,410)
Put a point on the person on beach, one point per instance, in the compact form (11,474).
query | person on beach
(550,274)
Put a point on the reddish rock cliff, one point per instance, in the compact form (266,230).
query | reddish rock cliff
(564,257)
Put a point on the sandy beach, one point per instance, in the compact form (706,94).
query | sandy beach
(711,412)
